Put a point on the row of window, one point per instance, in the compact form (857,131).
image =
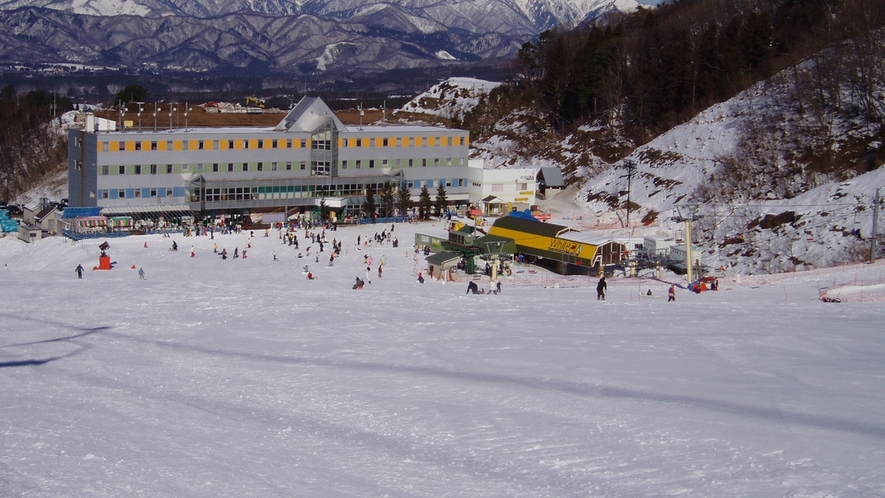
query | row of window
(447,182)
(153,169)
(222,194)
(146,192)
(321,168)
(274,143)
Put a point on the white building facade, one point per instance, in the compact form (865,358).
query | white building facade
(309,158)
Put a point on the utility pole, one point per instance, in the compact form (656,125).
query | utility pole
(874,238)
(631,166)
(686,214)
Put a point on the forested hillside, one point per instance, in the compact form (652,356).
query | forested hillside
(644,73)
(30,146)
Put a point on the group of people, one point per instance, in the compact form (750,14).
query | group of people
(472,287)
(602,288)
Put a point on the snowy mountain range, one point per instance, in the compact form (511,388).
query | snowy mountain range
(289,36)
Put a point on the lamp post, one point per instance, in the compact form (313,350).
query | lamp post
(122,114)
(172,109)
(140,110)
(186,111)
(156,108)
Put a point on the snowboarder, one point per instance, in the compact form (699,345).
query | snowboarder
(671,294)
(79,271)
(601,287)
(379,271)
(310,276)
(472,287)
(141,273)
(420,278)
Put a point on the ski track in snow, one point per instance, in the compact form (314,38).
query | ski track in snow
(242,378)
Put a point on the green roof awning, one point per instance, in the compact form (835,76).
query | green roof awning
(444,258)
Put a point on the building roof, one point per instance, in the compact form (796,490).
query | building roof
(45,212)
(531,226)
(552,177)
(309,115)
(443,258)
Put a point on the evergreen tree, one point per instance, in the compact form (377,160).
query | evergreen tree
(424,203)
(404,201)
(369,206)
(388,197)
(132,93)
(441,201)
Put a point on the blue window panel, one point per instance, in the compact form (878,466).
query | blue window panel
(178,191)
(130,193)
(113,193)
(429,183)
(161,192)
(146,192)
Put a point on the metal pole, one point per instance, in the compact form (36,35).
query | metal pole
(874,237)
(629,183)
(688,261)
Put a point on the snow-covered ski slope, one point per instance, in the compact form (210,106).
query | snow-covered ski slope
(242,378)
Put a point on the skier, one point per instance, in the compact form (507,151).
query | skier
(601,287)
(420,278)
(671,294)
(141,273)
(79,271)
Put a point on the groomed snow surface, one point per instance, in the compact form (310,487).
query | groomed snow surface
(243,378)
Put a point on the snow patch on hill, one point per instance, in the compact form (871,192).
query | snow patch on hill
(450,99)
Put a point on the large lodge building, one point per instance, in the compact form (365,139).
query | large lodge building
(308,158)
